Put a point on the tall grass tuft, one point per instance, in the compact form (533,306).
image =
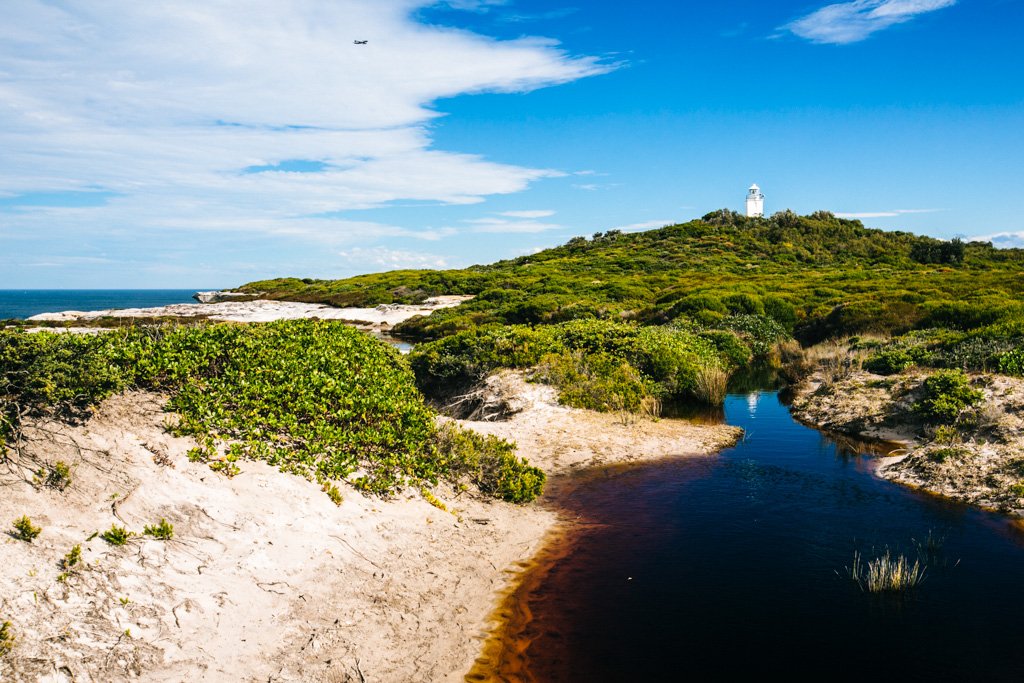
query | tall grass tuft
(887,574)
(711,383)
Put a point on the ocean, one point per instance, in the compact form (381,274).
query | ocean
(23,303)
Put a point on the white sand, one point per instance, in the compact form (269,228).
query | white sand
(266,579)
(383,316)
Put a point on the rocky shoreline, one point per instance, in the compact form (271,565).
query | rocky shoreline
(980,461)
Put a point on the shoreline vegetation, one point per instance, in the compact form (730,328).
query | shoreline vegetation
(422,466)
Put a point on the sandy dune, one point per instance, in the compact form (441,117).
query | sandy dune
(266,579)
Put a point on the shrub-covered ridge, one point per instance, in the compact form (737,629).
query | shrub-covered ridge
(315,398)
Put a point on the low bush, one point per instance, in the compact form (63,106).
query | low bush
(1012,362)
(58,477)
(163,531)
(946,394)
(316,398)
(116,535)
(72,559)
(596,364)
(889,361)
(25,530)
(491,464)
(6,638)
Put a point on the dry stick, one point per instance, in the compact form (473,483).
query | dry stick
(338,538)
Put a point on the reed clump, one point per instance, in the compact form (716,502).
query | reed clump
(888,573)
(710,384)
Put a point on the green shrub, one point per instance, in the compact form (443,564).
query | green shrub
(6,638)
(947,393)
(73,557)
(730,347)
(944,454)
(1012,362)
(889,361)
(163,531)
(24,530)
(597,381)
(597,364)
(116,535)
(490,463)
(59,476)
(316,398)
(947,434)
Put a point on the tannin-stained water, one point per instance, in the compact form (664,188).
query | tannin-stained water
(733,567)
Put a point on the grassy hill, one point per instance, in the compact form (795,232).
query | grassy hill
(818,276)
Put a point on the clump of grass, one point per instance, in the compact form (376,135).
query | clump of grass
(947,435)
(887,574)
(56,477)
(931,544)
(163,531)
(116,535)
(24,530)
(710,385)
(73,558)
(333,493)
(944,454)
(6,638)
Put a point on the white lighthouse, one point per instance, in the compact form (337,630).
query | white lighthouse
(755,202)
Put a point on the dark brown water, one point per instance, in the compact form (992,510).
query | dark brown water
(732,568)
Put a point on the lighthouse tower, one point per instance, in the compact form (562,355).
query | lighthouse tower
(755,202)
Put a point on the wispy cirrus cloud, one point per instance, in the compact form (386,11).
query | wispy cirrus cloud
(193,116)
(645,225)
(392,259)
(543,213)
(851,22)
(885,214)
(497,225)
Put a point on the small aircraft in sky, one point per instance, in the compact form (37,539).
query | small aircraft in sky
(360,42)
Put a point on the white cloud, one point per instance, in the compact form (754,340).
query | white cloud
(504,225)
(165,104)
(1003,240)
(391,259)
(885,214)
(646,225)
(850,22)
(527,214)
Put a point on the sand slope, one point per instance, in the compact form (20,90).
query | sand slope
(266,579)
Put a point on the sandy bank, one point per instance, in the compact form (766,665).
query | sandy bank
(384,316)
(266,579)
(982,465)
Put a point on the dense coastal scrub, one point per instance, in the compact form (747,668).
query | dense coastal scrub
(595,364)
(816,276)
(315,398)
(722,292)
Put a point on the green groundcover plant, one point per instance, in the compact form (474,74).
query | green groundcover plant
(312,397)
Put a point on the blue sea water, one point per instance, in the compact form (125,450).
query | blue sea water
(23,303)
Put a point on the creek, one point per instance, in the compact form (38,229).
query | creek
(734,567)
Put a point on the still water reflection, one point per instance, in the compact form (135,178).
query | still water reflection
(733,568)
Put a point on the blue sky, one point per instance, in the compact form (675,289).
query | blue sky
(188,144)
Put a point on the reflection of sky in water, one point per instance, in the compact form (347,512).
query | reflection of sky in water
(751,546)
